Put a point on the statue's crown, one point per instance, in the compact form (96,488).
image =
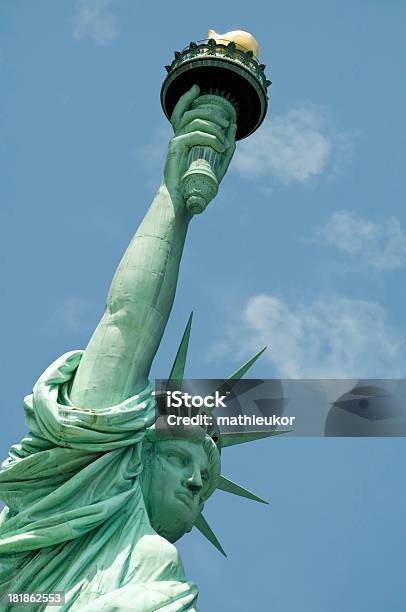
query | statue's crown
(220,439)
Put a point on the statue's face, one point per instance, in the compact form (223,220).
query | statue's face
(179,473)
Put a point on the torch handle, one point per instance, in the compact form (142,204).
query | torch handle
(200,181)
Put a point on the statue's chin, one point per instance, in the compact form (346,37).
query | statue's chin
(171,534)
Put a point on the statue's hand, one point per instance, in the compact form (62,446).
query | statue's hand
(200,126)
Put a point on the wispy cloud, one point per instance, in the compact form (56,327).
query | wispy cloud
(295,146)
(380,245)
(154,151)
(330,338)
(152,154)
(74,314)
(93,18)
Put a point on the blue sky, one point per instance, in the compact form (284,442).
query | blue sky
(304,250)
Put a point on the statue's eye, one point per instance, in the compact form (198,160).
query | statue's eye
(175,457)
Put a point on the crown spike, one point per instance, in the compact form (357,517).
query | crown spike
(227,385)
(231,438)
(246,366)
(178,368)
(204,528)
(231,487)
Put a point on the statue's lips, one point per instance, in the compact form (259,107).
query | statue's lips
(186,498)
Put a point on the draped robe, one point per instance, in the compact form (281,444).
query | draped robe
(75,519)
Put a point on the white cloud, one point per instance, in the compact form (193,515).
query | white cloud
(73,314)
(94,18)
(294,146)
(330,338)
(381,245)
(153,152)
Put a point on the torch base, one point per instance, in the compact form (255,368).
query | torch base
(199,186)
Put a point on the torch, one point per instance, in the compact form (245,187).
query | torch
(226,67)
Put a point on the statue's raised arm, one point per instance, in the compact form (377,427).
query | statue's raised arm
(117,360)
(99,489)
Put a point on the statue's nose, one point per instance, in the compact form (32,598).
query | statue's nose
(194,481)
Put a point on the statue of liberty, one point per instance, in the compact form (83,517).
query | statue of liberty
(94,497)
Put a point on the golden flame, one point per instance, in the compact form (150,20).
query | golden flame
(243,40)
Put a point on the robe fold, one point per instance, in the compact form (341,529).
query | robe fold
(75,519)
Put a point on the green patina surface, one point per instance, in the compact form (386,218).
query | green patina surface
(93,500)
